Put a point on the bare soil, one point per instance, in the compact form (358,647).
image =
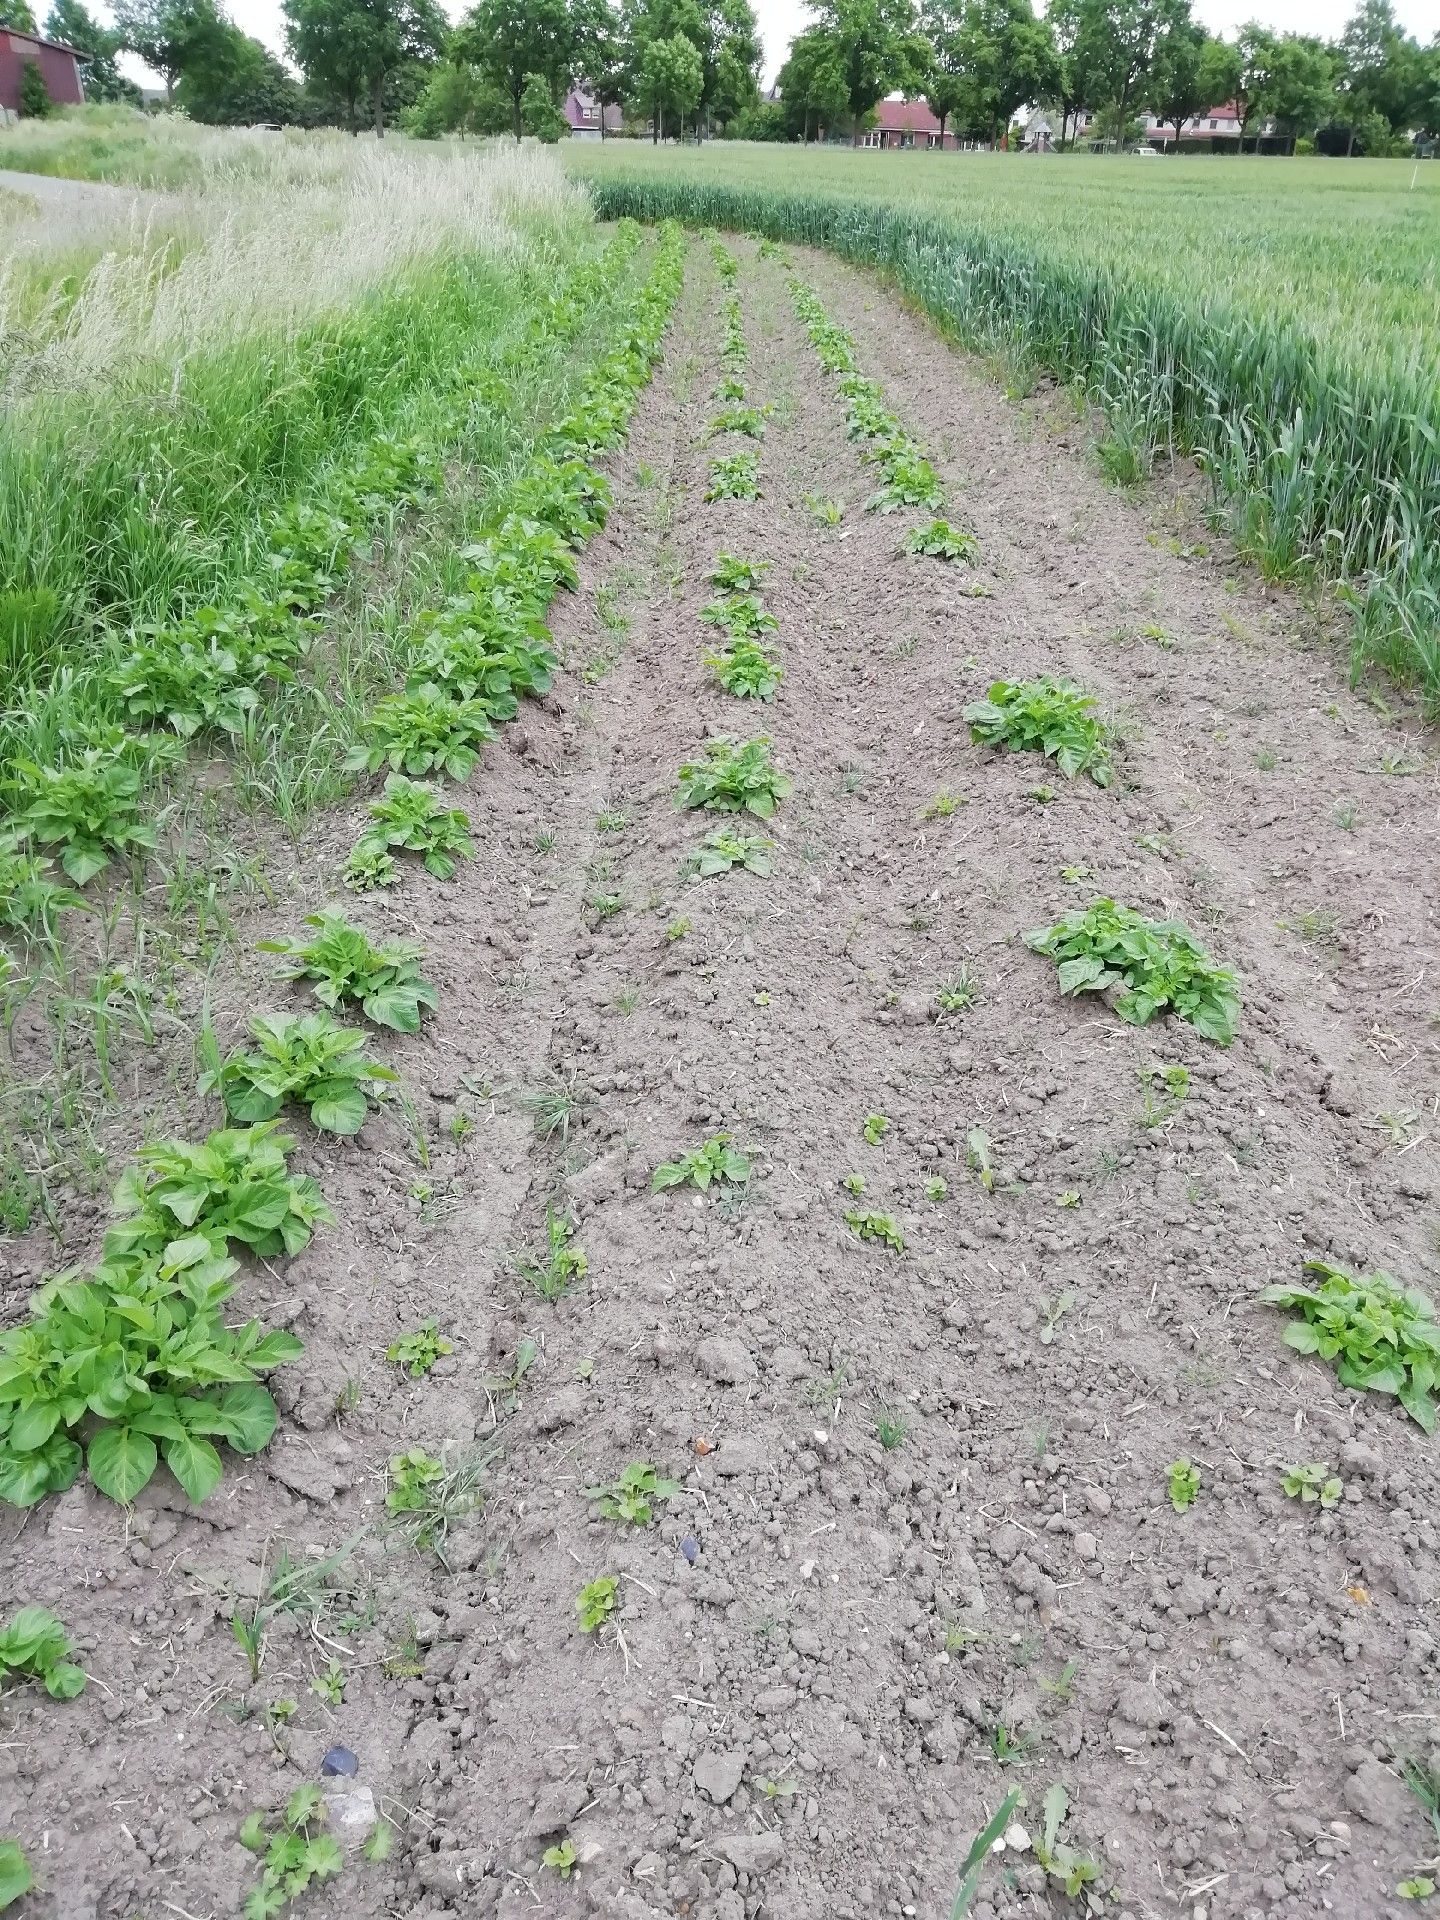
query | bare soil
(794,1714)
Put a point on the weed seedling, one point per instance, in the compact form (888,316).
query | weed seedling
(429,1496)
(1054,1311)
(943,805)
(936,1187)
(716,1163)
(417,1352)
(560,1859)
(329,1684)
(959,992)
(596,1602)
(891,1428)
(677,930)
(630,1498)
(296,1853)
(977,1157)
(506,1386)
(1313,1481)
(877,1226)
(1163,1090)
(1074,1870)
(1182,1483)
(825,511)
(551,1272)
(1010,1748)
(1378,1335)
(1063,1687)
(875,1129)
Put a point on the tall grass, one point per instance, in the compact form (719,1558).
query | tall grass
(1320,428)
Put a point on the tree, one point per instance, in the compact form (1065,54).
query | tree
(171,35)
(730,54)
(877,49)
(1004,56)
(609,69)
(69,21)
(1384,70)
(35,101)
(17,14)
(1284,77)
(1191,71)
(1077,28)
(231,80)
(671,78)
(539,114)
(812,83)
(351,47)
(509,40)
(945,81)
(457,99)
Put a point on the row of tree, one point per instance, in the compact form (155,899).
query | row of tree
(693,65)
(977,61)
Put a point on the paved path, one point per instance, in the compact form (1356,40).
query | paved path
(78,206)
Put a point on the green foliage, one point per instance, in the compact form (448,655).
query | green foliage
(732,575)
(308,1058)
(734,778)
(723,848)
(1380,1337)
(15,1877)
(418,1351)
(717,1163)
(34,95)
(414,732)
(296,1853)
(414,1476)
(1182,1483)
(741,615)
(233,1186)
(875,1129)
(553,1271)
(1159,963)
(824,510)
(29,898)
(746,669)
(539,114)
(941,541)
(1053,717)
(978,1157)
(891,1428)
(349,970)
(1164,1089)
(412,815)
(877,1226)
(738,419)
(1313,1481)
(34,1646)
(369,866)
(1073,1869)
(89,809)
(207,670)
(974,1863)
(734,476)
(909,481)
(632,1497)
(596,1601)
(561,1859)
(134,1361)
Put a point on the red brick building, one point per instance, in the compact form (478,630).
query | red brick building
(906,123)
(59,68)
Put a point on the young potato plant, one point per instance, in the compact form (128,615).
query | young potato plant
(410,814)
(876,1226)
(734,779)
(1159,964)
(732,575)
(88,809)
(422,731)
(633,1496)
(734,476)
(940,541)
(476,654)
(235,1185)
(15,1876)
(741,615)
(1182,1483)
(909,481)
(1053,717)
(349,970)
(596,1601)
(1379,1336)
(35,1646)
(717,1163)
(207,669)
(723,849)
(737,418)
(130,1363)
(746,669)
(1312,1482)
(307,1058)
(418,1351)
(570,496)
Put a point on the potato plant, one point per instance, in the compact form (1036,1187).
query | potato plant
(1379,1336)
(35,1646)
(348,969)
(734,476)
(1158,964)
(424,730)
(307,1058)
(89,809)
(734,778)
(411,815)
(1052,717)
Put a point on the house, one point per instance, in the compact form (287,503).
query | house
(59,68)
(582,111)
(1214,124)
(906,123)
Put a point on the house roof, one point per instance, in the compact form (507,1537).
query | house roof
(906,116)
(582,110)
(40,40)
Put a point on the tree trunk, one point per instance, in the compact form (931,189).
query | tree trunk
(377,99)
(1350,145)
(660,118)
(654,136)
(515,104)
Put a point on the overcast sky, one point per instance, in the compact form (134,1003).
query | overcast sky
(781,20)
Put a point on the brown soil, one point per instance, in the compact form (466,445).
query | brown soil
(1225,1693)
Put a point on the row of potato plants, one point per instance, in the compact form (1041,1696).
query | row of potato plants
(132,1361)
(207,671)
(1377,1333)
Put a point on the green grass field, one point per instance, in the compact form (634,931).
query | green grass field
(1279,319)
